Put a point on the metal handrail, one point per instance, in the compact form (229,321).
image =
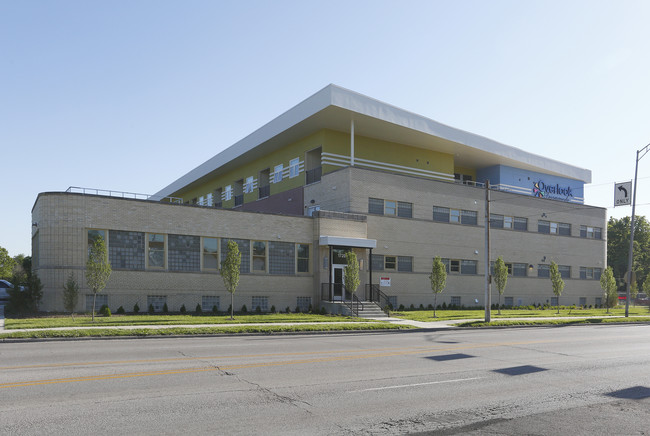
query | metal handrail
(350,300)
(374,294)
(120,194)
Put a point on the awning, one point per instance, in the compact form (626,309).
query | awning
(347,242)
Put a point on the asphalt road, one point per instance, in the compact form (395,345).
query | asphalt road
(578,380)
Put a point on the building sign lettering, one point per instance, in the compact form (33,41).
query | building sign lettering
(554,191)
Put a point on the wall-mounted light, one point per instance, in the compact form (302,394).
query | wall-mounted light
(34,224)
(543,214)
(312,201)
(475,251)
(531,267)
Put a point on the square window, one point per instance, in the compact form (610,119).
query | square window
(441,214)
(376,206)
(390,262)
(405,263)
(404,210)
(261,302)
(468,217)
(209,303)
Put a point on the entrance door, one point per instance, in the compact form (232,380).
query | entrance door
(338,276)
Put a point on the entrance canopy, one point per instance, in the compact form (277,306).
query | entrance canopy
(347,242)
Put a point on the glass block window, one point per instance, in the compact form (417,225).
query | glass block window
(210,253)
(441,214)
(455,301)
(156,250)
(376,206)
(554,301)
(543,270)
(468,267)
(259,256)
(126,250)
(303,303)
(564,229)
(582,301)
(597,273)
(261,302)
(102,299)
(390,207)
(302,258)
(390,262)
(543,226)
(208,302)
(508,301)
(244,250)
(281,258)
(565,271)
(93,235)
(496,221)
(294,168)
(377,262)
(184,253)
(392,300)
(599,301)
(519,269)
(405,263)
(157,301)
(404,209)
(468,217)
(521,223)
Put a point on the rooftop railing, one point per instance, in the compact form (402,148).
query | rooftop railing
(121,194)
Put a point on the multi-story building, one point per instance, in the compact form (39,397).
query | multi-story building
(339,171)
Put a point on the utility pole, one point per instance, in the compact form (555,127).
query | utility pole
(488,276)
(630,258)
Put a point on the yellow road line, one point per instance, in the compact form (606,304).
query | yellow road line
(419,350)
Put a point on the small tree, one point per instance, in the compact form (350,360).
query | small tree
(230,271)
(608,283)
(557,283)
(98,269)
(351,273)
(438,279)
(70,294)
(634,292)
(500,277)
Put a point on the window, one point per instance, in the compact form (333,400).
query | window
(282,258)
(277,173)
(565,271)
(521,223)
(126,250)
(441,214)
(210,199)
(508,266)
(312,209)
(261,302)
(228,195)
(554,228)
(405,263)
(211,253)
(390,262)
(209,303)
(543,270)
(303,303)
(564,229)
(264,188)
(249,185)
(157,301)
(454,266)
(468,267)
(184,253)
(377,262)
(554,301)
(582,301)
(507,222)
(390,207)
(244,249)
(465,179)
(454,216)
(496,221)
(543,226)
(101,300)
(591,232)
(218,197)
(404,210)
(259,256)
(376,206)
(294,168)
(508,301)
(468,217)
(302,258)
(587,273)
(599,301)
(201,201)
(519,269)
(93,235)
(156,250)
(455,301)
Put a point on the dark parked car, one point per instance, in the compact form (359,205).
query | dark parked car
(4,294)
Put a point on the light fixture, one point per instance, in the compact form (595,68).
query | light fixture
(531,267)
(475,251)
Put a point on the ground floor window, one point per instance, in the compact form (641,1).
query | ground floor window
(554,301)
(261,302)
(455,301)
(508,301)
(302,258)
(405,263)
(209,303)
(583,301)
(101,300)
(157,301)
(599,301)
(303,303)
(392,300)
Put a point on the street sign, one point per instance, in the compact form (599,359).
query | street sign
(623,194)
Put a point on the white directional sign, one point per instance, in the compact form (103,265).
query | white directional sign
(623,194)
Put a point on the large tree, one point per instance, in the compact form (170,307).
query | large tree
(500,277)
(618,248)
(98,269)
(230,272)
(556,282)
(6,264)
(438,278)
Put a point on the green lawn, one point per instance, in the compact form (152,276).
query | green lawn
(270,329)
(117,320)
(559,321)
(427,315)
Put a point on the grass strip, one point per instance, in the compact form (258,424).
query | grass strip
(444,314)
(131,320)
(552,322)
(72,333)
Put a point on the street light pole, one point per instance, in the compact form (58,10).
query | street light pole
(488,301)
(630,258)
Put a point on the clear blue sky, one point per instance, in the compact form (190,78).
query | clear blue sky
(129,96)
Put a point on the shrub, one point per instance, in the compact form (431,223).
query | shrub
(151,308)
(136,308)
(444,305)
(120,311)
(165,308)
(287,310)
(215,309)
(411,307)
(401,308)
(229,308)
(198,309)
(297,309)
(258,310)
(310,309)
(183,309)
(244,309)
(273,309)
(104,310)
(430,306)
(421,306)
(323,311)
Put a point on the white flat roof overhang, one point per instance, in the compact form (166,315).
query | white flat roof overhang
(343,241)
